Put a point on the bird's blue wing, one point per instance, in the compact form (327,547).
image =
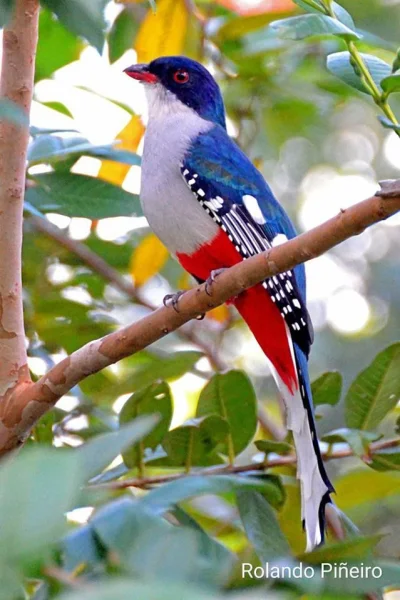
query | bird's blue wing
(236,196)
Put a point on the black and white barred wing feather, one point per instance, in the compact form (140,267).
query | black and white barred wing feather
(245,226)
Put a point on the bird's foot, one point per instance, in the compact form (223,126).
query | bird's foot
(213,276)
(173,300)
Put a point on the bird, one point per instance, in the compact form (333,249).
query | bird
(212,208)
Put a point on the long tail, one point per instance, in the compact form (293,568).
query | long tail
(290,370)
(315,484)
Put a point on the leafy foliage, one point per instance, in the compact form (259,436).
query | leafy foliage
(155,398)
(80,196)
(86,19)
(375,391)
(327,388)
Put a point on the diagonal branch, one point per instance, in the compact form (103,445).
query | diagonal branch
(108,273)
(30,403)
(90,258)
(18,61)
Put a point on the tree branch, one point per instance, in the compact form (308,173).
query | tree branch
(31,403)
(18,61)
(108,273)
(90,258)
(281,461)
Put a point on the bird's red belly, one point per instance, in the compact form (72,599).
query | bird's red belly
(219,253)
(254,305)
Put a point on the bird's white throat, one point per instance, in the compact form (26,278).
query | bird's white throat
(162,103)
(174,214)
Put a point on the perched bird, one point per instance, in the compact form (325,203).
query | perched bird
(212,208)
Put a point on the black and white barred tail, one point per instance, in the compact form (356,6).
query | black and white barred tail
(315,484)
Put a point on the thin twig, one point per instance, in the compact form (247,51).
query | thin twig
(108,273)
(62,576)
(90,258)
(281,461)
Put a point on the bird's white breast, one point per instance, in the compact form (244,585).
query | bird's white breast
(172,211)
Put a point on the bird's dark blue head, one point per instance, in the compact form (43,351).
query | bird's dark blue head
(188,80)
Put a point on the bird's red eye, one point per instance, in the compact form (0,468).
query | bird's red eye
(181,76)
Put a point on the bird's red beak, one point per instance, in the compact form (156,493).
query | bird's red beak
(141,73)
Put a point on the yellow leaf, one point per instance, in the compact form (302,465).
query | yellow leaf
(129,138)
(162,33)
(365,486)
(220,314)
(148,259)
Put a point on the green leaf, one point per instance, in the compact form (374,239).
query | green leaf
(387,459)
(269,446)
(141,373)
(110,474)
(81,196)
(83,18)
(9,111)
(36,488)
(81,547)
(101,450)
(342,14)
(121,105)
(349,549)
(122,34)
(195,443)
(156,398)
(375,391)
(315,6)
(312,6)
(162,499)
(119,524)
(45,148)
(110,152)
(59,107)
(262,527)
(357,440)
(11,583)
(339,64)
(376,487)
(219,557)
(152,590)
(243,25)
(51,148)
(151,547)
(327,388)
(396,62)
(232,397)
(328,584)
(391,84)
(6,9)
(304,26)
(35,131)
(371,40)
(56,48)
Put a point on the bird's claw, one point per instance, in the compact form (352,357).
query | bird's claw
(213,276)
(173,300)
